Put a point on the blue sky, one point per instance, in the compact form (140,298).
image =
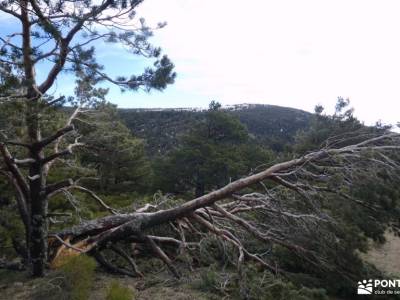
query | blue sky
(288,52)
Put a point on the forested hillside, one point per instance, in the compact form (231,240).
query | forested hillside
(322,213)
(272,126)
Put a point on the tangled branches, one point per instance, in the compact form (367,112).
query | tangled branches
(284,209)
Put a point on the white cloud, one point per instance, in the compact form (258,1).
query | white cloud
(289,52)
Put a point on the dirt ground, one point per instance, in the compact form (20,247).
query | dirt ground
(386,257)
(18,286)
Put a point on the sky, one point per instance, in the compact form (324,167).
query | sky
(287,52)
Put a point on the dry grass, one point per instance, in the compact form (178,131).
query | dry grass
(386,257)
(160,289)
(17,285)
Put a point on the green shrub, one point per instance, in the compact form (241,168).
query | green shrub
(280,290)
(255,285)
(79,276)
(209,281)
(119,292)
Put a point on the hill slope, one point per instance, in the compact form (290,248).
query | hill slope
(271,125)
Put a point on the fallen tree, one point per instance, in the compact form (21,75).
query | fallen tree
(234,217)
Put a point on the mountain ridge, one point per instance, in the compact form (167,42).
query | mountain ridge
(228,107)
(271,125)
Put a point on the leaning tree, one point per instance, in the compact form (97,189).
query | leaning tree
(60,35)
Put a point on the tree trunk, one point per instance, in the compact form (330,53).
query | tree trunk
(38,197)
(39,224)
(37,237)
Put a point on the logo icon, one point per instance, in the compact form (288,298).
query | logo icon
(364,287)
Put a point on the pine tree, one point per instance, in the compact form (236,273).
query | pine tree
(63,34)
(216,151)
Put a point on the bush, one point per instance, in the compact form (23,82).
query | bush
(280,290)
(255,285)
(119,292)
(209,280)
(79,276)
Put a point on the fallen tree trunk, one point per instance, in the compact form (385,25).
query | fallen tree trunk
(226,219)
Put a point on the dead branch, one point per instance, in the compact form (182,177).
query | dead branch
(161,254)
(225,213)
(129,259)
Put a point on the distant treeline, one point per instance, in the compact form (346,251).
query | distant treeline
(270,125)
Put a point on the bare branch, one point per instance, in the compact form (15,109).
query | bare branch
(97,198)
(52,188)
(161,254)
(46,141)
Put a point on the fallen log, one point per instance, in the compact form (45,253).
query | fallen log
(95,235)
